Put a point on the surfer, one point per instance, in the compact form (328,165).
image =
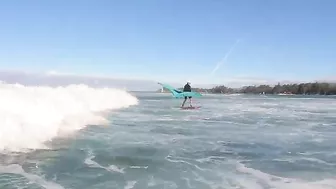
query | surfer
(187,88)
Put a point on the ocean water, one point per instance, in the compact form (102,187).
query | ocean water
(77,137)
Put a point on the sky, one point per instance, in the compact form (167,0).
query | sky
(204,41)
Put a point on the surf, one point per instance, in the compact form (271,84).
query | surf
(31,116)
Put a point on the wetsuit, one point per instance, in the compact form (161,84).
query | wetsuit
(187,88)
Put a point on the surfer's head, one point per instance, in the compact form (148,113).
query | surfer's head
(188,82)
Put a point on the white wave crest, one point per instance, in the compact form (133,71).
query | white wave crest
(30,116)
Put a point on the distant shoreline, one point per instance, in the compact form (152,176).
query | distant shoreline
(278,94)
(317,88)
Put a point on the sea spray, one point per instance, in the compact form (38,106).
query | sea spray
(30,116)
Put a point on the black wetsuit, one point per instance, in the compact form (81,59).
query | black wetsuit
(187,88)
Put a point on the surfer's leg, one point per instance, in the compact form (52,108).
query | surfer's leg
(185,99)
(190,101)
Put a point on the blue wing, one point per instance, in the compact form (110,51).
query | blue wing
(180,94)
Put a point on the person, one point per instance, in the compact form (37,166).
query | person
(187,88)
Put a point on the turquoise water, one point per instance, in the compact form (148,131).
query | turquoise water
(232,142)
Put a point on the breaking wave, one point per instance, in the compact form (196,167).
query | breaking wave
(30,116)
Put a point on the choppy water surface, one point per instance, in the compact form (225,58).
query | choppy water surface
(233,142)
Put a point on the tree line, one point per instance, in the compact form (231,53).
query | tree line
(301,88)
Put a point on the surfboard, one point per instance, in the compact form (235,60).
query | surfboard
(190,108)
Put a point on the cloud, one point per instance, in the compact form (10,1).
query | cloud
(327,79)
(54,79)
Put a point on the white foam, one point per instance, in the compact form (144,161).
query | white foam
(112,168)
(261,180)
(130,184)
(18,170)
(30,116)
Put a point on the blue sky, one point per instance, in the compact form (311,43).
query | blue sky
(171,40)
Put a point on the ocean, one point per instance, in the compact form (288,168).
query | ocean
(77,137)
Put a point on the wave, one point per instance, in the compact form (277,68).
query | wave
(20,183)
(260,180)
(31,116)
